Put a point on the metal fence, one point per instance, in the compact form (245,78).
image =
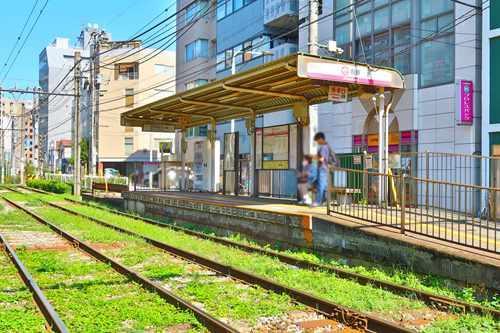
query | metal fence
(458,212)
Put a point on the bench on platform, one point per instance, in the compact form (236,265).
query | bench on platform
(344,194)
(109,187)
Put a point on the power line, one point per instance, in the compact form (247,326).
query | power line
(18,39)
(25,40)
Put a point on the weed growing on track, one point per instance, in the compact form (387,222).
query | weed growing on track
(90,296)
(18,312)
(220,297)
(320,283)
(110,300)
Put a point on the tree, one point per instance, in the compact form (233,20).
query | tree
(30,170)
(84,152)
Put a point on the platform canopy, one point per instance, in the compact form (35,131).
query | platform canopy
(292,82)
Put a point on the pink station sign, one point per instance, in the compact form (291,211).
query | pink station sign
(466,102)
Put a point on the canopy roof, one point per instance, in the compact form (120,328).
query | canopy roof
(298,79)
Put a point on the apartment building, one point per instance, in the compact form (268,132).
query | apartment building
(18,135)
(490,81)
(55,113)
(127,80)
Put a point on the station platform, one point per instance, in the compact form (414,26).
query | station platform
(291,225)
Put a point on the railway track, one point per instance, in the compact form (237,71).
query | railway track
(332,311)
(438,301)
(54,322)
(211,323)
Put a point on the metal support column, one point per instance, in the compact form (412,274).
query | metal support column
(250,125)
(182,184)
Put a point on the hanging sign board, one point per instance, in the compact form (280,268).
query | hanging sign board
(465,102)
(158,128)
(337,93)
(347,72)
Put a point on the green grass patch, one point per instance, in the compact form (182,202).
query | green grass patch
(92,297)
(319,283)
(18,312)
(220,297)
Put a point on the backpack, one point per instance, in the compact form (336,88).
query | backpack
(332,157)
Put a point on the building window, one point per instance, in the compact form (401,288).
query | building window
(129,97)
(196,83)
(437,52)
(195,10)
(430,8)
(401,12)
(128,145)
(197,49)
(364,25)
(227,7)
(128,71)
(402,49)
(381,47)
(164,69)
(258,44)
(381,19)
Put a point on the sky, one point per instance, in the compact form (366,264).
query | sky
(65,18)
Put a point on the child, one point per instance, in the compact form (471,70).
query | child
(305,180)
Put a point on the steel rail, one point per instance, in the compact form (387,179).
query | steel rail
(210,322)
(347,316)
(441,302)
(53,320)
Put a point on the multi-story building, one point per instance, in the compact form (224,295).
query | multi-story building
(246,32)
(55,61)
(490,96)
(19,138)
(195,44)
(435,44)
(127,80)
(128,75)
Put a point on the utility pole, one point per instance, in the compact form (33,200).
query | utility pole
(2,143)
(313,26)
(76,124)
(95,83)
(34,127)
(22,133)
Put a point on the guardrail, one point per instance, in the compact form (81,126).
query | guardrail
(439,209)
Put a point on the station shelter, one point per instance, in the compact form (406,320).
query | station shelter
(272,153)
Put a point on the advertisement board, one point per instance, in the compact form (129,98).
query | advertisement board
(465,102)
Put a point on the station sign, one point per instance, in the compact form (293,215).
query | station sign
(348,72)
(465,102)
(337,93)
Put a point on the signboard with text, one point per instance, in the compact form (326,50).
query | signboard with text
(465,102)
(337,93)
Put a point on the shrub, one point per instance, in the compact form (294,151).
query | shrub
(53,186)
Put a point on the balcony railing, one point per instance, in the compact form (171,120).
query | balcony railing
(281,13)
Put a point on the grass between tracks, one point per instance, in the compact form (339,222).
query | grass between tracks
(18,312)
(348,293)
(88,295)
(221,297)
